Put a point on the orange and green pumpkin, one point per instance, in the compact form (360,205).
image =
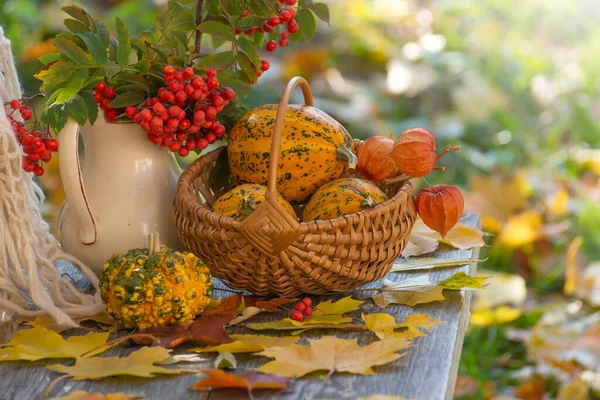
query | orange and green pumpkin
(342,197)
(315,149)
(242,200)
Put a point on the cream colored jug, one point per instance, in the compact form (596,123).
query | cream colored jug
(124,192)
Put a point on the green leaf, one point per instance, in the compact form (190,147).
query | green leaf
(111,70)
(76,26)
(217,60)
(176,61)
(238,81)
(213,7)
(73,87)
(103,34)
(113,48)
(247,47)
(80,15)
(249,22)
(139,81)
(258,39)
(246,65)
(128,99)
(143,66)
(258,8)
(124,48)
(305,4)
(216,42)
(95,78)
(91,105)
(182,38)
(50,57)
(148,36)
(95,47)
(56,116)
(71,50)
(217,29)
(308,24)
(58,71)
(77,109)
(322,11)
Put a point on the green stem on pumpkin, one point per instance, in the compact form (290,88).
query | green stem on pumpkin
(345,154)
(247,206)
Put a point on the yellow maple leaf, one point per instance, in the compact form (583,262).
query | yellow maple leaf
(495,316)
(332,354)
(521,229)
(461,280)
(39,342)
(460,236)
(83,395)
(48,322)
(342,306)
(139,363)
(384,325)
(249,344)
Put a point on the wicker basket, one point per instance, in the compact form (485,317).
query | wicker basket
(270,252)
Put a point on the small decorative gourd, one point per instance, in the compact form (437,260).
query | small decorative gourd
(155,286)
(242,200)
(342,197)
(315,149)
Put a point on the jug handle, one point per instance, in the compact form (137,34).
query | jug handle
(72,180)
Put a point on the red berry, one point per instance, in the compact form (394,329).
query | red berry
(183,151)
(283,43)
(264,65)
(285,15)
(146,115)
(26,141)
(52,145)
(202,144)
(175,146)
(174,111)
(28,165)
(145,126)
(258,73)
(266,28)
(158,108)
(46,157)
(284,35)
(34,157)
(39,171)
(211,138)
(190,144)
(169,70)
(297,315)
(290,2)
(109,92)
(307,301)
(300,306)
(173,123)
(271,45)
(308,312)
(193,128)
(111,115)
(189,90)
(14,104)
(197,82)
(184,124)
(188,72)
(229,92)
(220,132)
(178,76)
(274,21)
(199,116)
(198,95)
(212,83)
(37,143)
(156,122)
(130,111)
(210,113)
(292,26)
(105,104)
(101,86)
(292,12)
(26,115)
(211,73)
(97,97)
(246,13)
(217,101)
(167,97)
(167,141)
(37,134)
(237,31)
(174,86)
(180,97)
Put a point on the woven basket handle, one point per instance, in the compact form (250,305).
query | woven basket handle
(280,123)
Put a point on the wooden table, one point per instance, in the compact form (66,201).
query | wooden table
(427,372)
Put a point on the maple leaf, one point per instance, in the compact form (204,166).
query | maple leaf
(103,320)
(428,263)
(138,363)
(332,354)
(208,330)
(327,314)
(461,280)
(249,380)
(418,245)
(460,236)
(83,395)
(39,342)
(245,307)
(249,344)
(384,325)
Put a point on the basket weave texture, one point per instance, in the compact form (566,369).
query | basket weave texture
(270,252)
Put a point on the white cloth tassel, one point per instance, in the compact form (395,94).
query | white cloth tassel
(30,284)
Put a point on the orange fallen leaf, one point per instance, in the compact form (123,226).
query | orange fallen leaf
(83,395)
(244,307)
(249,380)
(332,354)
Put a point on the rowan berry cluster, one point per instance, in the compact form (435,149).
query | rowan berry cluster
(286,17)
(104,95)
(302,309)
(37,146)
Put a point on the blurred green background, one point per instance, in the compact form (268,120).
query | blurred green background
(515,82)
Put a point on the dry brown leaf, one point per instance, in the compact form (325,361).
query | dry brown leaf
(418,245)
(332,354)
(83,395)
(248,380)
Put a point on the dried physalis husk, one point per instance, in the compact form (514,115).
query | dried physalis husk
(414,152)
(440,207)
(374,159)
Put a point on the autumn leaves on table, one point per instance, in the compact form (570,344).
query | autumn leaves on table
(183,98)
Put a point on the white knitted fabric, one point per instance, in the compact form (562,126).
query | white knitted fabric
(30,284)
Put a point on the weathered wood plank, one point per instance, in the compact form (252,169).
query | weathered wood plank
(428,371)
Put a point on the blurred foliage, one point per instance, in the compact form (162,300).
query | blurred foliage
(515,82)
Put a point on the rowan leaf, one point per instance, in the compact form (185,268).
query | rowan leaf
(83,395)
(217,29)
(249,380)
(71,50)
(207,330)
(249,344)
(139,363)
(124,49)
(461,280)
(412,264)
(332,354)
(38,343)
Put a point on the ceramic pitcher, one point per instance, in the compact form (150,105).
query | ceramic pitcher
(124,191)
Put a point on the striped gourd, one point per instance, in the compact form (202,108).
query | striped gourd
(342,197)
(315,149)
(242,200)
